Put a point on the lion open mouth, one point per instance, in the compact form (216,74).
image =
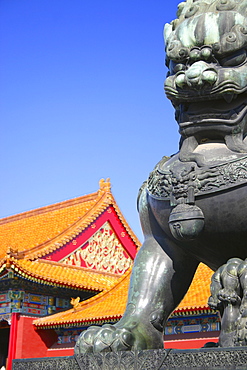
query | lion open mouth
(228,110)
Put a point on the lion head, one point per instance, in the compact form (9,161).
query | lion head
(206,54)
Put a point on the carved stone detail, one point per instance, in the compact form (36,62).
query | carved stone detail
(200,359)
(57,363)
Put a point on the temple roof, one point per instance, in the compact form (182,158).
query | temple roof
(58,274)
(36,233)
(35,245)
(33,232)
(110,304)
(83,243)
(197,296)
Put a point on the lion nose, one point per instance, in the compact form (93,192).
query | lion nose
(198,74)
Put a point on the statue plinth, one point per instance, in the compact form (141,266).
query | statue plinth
(204,358)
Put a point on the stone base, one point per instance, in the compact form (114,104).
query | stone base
(196,359)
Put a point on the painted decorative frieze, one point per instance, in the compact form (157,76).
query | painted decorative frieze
(192,324)
(102,252)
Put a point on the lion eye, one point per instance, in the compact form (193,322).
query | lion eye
(176,67)
(179,67)
(234,60)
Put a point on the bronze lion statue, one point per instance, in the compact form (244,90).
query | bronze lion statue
(193,207)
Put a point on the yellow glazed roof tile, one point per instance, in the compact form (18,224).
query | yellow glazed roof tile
(111,303)
(41,231)
(55,273)
(31,229)
(199,291)
(108,304)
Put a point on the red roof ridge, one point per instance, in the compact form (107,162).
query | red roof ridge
(126,225)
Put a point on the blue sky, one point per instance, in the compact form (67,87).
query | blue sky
(82,99)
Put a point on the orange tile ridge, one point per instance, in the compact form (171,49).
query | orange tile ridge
(101,295)
(90,279)
(126,225)
(72,231)
(191,307)
(102,199)
(51,207)
(197,290)
(70,204)
(84,304)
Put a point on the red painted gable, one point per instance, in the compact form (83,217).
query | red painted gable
(83,249)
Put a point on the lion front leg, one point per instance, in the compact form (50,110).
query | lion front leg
(160,278)
(156,287)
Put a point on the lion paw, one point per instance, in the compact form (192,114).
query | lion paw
(105,338)
(228,295)
(214,303)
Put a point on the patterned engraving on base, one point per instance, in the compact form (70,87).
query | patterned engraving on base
(206,359)
(201,359)
(166,359)
(61,363)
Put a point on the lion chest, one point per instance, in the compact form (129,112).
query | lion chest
(201,204)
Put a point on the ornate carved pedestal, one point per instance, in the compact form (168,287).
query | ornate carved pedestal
(197,359)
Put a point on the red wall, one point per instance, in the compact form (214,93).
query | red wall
(31,343)
(190,340)
(189,343)
(58,352)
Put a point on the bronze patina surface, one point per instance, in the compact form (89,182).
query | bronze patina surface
(193,208)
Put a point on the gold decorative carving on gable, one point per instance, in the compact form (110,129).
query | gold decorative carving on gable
(102,252)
